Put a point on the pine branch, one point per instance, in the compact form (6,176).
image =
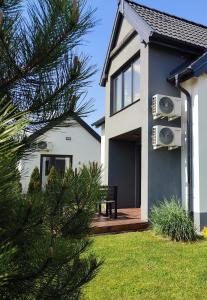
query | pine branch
(33,275)
(89,274)
(45,80)
(67,39)
(58,271)
(11,59)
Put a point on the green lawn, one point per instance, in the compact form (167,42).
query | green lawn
(142,266)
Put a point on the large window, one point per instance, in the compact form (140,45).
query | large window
(126,86)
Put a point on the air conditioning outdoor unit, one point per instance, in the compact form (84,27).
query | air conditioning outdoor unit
(166,106)
(44,146)
(163,136)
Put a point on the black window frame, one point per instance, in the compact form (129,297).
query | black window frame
(53,156)
(121,72)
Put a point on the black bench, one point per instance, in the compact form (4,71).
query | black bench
(109,197)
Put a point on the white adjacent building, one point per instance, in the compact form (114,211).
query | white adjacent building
(193,79)
(62,147)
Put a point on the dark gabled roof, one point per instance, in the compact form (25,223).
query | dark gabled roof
(99,122)
(159,27)
(195,69)
(173,27)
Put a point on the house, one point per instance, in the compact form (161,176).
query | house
(193,80)
(62,147)
(147,53)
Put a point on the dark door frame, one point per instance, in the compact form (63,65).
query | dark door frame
(53,155)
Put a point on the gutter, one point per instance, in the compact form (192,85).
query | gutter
(99,122)
(178,79)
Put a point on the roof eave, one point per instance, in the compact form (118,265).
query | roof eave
(200,65)
(88,128)
(178,44)
(183,76)
(195,69)
(137,22)
(99,122)
(111,42)
(144,30)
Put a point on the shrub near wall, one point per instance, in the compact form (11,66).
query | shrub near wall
(35,182)
(171,220)
(45,234)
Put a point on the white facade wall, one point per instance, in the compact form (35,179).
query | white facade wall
(83,147)
(103,152)
(198,90)
(130,118)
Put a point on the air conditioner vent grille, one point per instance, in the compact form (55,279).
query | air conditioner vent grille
(166,136)
(154,106)
(166,105)
(154,136)
(163,137)
(42,145)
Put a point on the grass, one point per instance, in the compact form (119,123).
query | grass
(142,266)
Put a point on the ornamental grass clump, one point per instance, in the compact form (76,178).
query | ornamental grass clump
(204,232)
(171,220)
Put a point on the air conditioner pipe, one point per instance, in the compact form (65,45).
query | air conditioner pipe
(189,144)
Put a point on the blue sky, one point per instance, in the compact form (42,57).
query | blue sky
(98,39)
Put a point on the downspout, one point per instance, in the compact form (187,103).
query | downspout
(189,144)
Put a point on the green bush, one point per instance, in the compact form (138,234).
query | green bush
(49,234)
(52,176)
(35,182)
(82,190)
(171,220)
(17,186)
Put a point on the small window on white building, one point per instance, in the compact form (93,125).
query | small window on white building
(126,86)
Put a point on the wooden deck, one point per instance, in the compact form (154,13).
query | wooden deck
(129,219)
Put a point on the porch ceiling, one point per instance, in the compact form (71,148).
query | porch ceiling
(132,136)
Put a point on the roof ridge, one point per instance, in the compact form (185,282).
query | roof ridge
(167,14)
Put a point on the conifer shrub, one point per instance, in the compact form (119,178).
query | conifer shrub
(43,83)
(35,182)
(170,219)
(53,181)
(17,186)
(50,236)
(82,191)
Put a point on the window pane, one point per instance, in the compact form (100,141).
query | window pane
(128,87)
(117,93)
(136,80)
(60,166)
(47,166)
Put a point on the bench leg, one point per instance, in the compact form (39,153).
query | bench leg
(99,209)
(110,209)
(115,210)
(107,210)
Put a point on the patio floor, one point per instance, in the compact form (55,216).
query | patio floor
(129,219)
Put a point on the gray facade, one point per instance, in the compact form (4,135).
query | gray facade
(164,169)
(144,176)
(124,171)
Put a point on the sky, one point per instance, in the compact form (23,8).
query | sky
(98,39)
